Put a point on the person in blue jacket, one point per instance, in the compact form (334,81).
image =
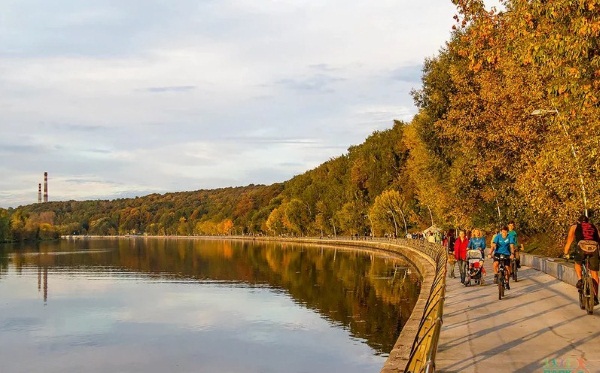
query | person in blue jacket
(477,242)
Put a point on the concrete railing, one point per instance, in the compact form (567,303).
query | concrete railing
(557,268)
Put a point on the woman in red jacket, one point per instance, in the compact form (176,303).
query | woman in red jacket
(460,254)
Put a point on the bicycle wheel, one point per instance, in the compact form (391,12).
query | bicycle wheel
(588,293)
(581,299)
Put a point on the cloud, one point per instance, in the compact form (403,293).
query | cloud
(316,83)
(183,88)
(136,96)
(411,74)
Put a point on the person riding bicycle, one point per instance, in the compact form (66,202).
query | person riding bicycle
(583,230)
(512,232)
(503,244)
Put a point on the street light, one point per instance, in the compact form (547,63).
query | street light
(544,112)
(497,205)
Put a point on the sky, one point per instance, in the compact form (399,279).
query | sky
(123,98)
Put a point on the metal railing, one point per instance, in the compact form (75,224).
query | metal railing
(425,344)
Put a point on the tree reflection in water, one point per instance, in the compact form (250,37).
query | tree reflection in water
(372,295)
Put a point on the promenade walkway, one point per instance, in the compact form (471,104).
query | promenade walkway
(537,328)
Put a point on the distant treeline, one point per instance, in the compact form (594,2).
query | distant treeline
(508,128)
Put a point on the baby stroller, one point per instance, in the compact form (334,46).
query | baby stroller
(475,269)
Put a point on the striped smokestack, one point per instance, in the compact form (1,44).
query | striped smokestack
(40,193)
(45,187)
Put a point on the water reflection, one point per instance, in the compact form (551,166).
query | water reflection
(250,283)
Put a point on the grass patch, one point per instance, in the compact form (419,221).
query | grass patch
(544,245)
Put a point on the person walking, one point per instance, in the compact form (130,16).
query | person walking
(477,242)
(450,239)
(584,230)
(460,254)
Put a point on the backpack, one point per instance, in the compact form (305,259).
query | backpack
(588,246)
(586,232)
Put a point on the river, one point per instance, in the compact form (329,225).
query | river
(185,305)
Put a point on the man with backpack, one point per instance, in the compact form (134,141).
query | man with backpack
(584,230)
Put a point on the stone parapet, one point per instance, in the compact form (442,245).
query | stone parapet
(555,267)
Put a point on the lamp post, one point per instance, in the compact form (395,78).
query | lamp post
(554,112)
(497,205)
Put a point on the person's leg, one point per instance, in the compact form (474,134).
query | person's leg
(463,270)
(507,273)
(594,266)
(578,259)
(578,270)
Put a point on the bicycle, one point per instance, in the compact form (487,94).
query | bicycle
(586,293)
(502,275)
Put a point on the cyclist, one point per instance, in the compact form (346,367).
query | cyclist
(513,233)
(502,244)
(583,230)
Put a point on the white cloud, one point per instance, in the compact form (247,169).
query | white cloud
(146,96)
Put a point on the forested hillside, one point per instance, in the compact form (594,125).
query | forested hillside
(508,127)
(339,193)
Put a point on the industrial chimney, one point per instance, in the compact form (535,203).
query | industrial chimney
(40,193)
(45,187)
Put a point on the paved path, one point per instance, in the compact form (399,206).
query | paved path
(537,327)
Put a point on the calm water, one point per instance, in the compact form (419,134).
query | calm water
(178,305)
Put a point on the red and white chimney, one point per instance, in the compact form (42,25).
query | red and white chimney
(45,187)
